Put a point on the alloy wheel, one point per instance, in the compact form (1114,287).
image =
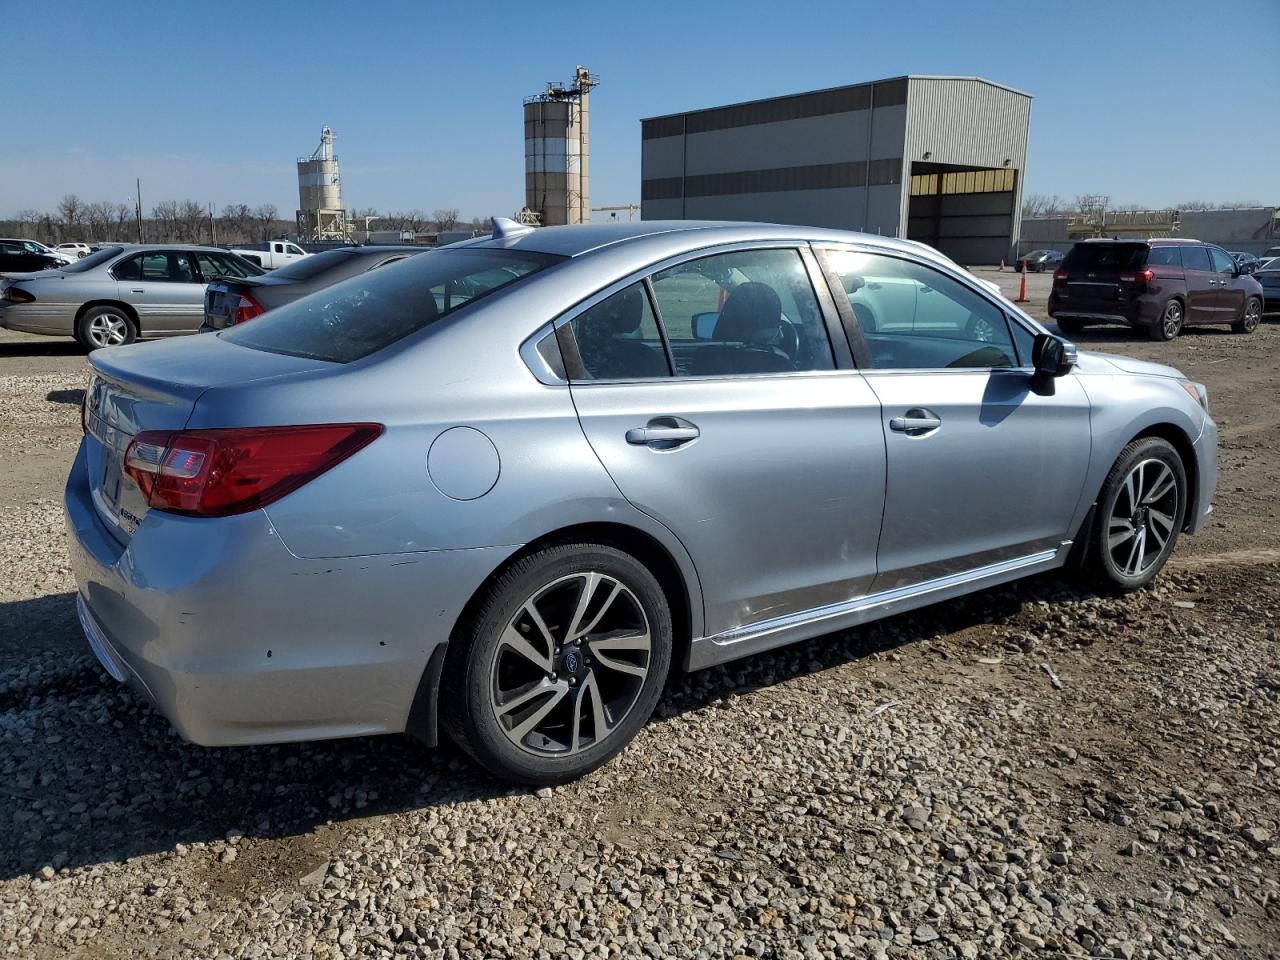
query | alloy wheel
(570,665)
(1143,517)
(1252,315)
(1172,319)
(108,330)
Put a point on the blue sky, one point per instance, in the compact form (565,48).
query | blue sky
(1152,103)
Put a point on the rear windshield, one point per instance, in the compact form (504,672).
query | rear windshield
(93,259)
(370,311)
(1105,256)
(313,265)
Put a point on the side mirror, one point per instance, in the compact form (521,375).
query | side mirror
(1051,356)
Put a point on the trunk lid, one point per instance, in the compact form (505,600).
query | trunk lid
(155,386)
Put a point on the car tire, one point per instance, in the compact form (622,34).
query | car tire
(1250,317)
(1169,324)
(1143,499)
(106,326)
(1070,326)
(536,664)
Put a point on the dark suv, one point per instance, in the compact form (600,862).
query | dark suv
(1153,285)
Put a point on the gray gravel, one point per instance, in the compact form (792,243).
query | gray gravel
(918,788)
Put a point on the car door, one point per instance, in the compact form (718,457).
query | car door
(981,470)
(166,289)
(754,443)
(1202,284)
(1229,303)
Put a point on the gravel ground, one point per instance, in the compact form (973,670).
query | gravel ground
(1030,771)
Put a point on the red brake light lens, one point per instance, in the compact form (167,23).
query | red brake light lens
(18,295)
(247,309)
(1142,276)
(1060,275)
(216,473)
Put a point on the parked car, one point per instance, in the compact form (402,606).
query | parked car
(118,294)
(1153,285)
(228,300)
(1268,277)
(35,246)
(1247,262)
(504,488)
(73,251)
(270,255)
(1270,253)
(1038,261)
(16,256)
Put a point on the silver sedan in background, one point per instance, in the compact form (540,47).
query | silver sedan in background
(119,293)
(504,488)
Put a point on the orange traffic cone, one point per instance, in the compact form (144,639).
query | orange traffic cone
(1022,289)
(1002,264)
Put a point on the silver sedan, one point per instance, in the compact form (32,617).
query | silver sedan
(118,294)
(503,489)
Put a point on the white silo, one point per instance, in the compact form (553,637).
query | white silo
(321,215)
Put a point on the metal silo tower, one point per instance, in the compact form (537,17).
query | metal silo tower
(556,151)
(321,215)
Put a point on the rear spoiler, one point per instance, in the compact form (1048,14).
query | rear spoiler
(247,281)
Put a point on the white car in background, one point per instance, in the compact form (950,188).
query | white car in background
(71,251)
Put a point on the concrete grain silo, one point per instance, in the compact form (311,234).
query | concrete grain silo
(556,152)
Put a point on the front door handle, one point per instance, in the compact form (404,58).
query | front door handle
(916,422)
(663,433)
(137,290)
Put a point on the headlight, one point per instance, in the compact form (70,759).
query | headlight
(1197,391)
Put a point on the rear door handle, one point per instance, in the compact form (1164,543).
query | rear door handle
(663,433)
(916,422)
(137,290)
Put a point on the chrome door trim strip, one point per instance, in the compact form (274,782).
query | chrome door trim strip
(766,634)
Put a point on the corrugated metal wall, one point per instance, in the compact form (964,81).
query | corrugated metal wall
(971,123)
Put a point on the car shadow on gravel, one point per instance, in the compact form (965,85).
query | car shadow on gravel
(89,774)
(65,396)
(52,348)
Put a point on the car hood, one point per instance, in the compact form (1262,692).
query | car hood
(1090,362)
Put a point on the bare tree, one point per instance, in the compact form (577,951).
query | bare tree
(121,215)
(97,219)
(71,212)
(444,220)
(165,215)
(191,216)
(238,219)
(266,214)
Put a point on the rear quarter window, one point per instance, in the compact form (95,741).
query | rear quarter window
(370,311)
(1164,257)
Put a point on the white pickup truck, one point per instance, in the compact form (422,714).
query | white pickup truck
(271,254)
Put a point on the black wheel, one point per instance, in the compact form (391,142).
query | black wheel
(561,664)
(107,326)
(1249,318)
(1169,324)
(1070,326)
(1138,516)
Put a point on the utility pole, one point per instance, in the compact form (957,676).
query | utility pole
(213,227)
(139,210)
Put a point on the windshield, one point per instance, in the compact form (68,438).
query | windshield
(370,311)
(93,260)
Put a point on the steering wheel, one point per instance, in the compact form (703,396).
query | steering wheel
(788,339)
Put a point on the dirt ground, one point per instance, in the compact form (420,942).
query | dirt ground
(773,808)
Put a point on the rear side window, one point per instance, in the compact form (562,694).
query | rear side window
(1105,257)
(1195,258)
(370,311)
(1164,257)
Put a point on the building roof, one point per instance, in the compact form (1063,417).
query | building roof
(847,86)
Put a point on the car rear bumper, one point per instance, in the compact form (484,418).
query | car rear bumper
(1137,312)
(236,641)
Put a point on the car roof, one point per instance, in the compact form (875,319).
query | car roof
(579,239)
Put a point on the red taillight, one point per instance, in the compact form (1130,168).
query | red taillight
(1142,276)
(1060,275)
(216,473)
(247,309)
(18,295)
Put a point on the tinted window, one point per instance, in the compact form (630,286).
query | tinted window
(93,260)
(914,317)
(617,339)
(1195,258)
(1164,257)
(223,265)
(752,311)
(362,315)
(1105,257)
(1221,262)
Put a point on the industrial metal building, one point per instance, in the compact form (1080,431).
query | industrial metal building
(937,159)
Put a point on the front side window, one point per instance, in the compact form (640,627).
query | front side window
(372,310)
(916,318)
(617,339)
(1221,262)
(746,312)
